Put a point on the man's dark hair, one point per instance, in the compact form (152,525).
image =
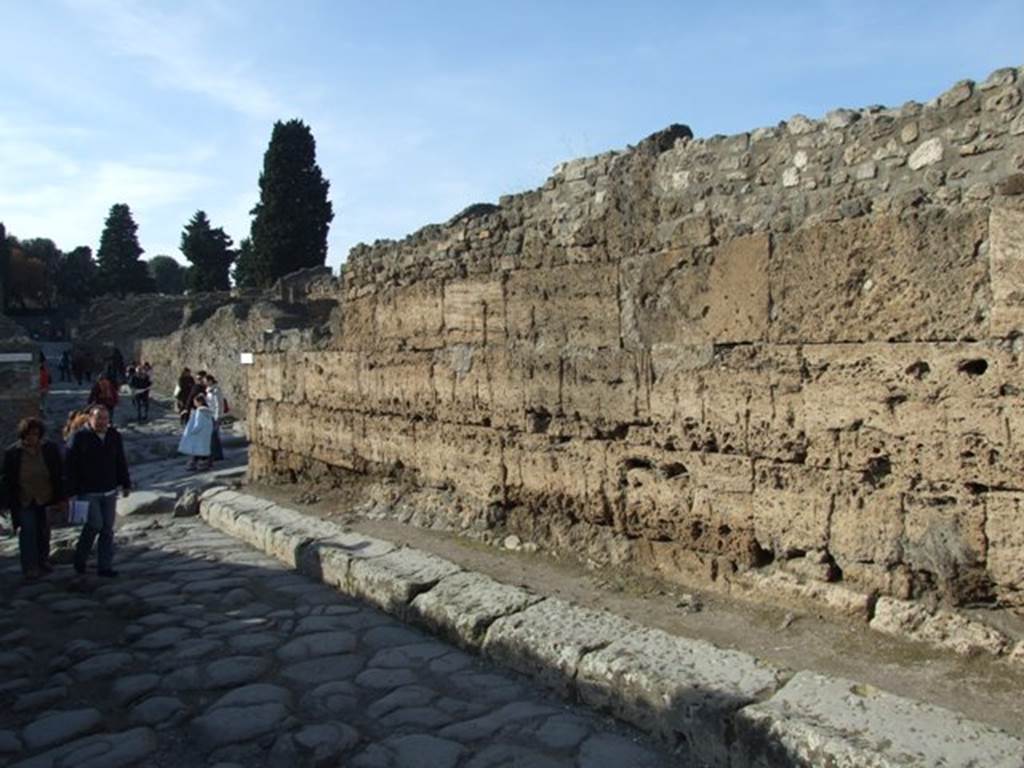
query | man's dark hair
(30,424)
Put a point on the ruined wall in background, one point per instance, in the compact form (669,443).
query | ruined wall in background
(798,346)
(19,379)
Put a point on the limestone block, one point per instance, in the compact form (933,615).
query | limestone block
(1006,260)
(881,278)
(474,311)
(1004,532)
(400,383)
(685,691)
(548,640)
(866,524)
(651,492)
(461,383)
(944,535)
(792,505)
(462,606)
(568,305)
(603,387)
(412,315)
(559,475)
(332,379)
(392,580)
(818,720)
(942,628)
(685,297)
(359,330)
(477,468)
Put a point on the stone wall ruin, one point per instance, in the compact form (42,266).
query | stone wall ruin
(797,348)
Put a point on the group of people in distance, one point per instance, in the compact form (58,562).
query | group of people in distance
(201,407)
(88,466)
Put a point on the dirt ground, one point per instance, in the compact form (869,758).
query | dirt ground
(792,635)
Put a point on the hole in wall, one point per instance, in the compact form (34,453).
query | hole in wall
(973,367)
(919,370)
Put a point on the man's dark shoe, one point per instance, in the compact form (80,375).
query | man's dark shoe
(108,573)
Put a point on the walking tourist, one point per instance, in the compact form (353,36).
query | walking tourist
(96,466)
(140,384)
(44,385)
(64,367)
(33,481)
(217,403)
(104,392)
(197,439)
(182,391)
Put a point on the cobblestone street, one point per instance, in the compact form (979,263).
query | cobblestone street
(204,651)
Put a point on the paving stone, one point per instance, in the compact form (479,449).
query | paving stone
(257,693)
(513,756)
(385,679)
(604,749)
(324,668)
(392,635)
(331,700)
(485,727)
(413,656)
(417,718)
(128,689)
(158,710)
(104,665)
(257,641)
(677,688)
(109,750)
(9,742)
(406,696)
(235,670)
(818,720)
(162,638)
(317,644)
(326,741)
(58,727)
(463,606)
(562,732)
(232,724)
(40,699)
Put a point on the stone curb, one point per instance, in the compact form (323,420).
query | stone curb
(718,707)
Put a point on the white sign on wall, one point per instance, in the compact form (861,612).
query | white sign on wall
(247,358)
(16,357)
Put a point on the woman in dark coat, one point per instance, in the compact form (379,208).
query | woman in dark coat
(33,481)
(182,392)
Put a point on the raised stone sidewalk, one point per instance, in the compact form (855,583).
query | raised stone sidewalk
(715,707)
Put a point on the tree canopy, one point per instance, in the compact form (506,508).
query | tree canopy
(293,216)
(210,252)
(120,270)
(168,275)
(76,276)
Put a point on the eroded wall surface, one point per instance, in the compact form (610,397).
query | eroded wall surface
(798,344)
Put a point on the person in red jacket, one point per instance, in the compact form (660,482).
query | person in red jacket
(104,392)
(44,385)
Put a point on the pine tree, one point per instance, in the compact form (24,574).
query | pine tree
(293,216)
(210,252)
(120,270)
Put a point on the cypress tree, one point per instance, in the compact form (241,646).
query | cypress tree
(293,216)
(210,252)
(119,267)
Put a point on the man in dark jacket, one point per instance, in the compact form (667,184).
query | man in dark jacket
(96,466)
(33,481)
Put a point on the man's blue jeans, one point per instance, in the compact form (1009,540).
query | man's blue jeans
(102,511)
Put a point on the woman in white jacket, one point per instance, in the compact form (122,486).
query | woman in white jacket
(197,439)
(216,401)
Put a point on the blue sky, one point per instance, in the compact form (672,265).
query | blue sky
(421,108)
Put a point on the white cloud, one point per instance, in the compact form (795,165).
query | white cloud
(175,47)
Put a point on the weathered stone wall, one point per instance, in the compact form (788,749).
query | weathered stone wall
(215,340)
(797,346)
(19,380)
